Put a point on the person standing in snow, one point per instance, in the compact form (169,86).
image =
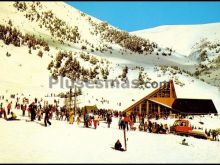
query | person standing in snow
(47,116)
(71,117)
(39,114)
(145,122)
(86,119)
(109,119)
(126,121)
(95,120)
(66,115)
(134,117)
(57,112)
(9,107)
(24,109)
(150,126)
(2,111)
(214,135)
(120,123)
(78,120)
(123,122)
(62,114)
(132,127)
(90,120)
(32,107)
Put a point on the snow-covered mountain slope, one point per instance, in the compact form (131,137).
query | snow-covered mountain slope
(37,41)
(200,43)
(181,38)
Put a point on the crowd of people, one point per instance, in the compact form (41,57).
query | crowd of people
(38,110)
(212,133)
(35,110)
(127,122)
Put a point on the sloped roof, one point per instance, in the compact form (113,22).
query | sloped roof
(90,107)
(180,105)
(153,98)
(194,106)
(168,102)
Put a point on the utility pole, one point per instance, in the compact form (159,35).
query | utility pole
(70,99)
(125,139)
(75,95)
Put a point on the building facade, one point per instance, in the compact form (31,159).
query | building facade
(163,102)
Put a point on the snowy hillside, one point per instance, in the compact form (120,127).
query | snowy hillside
(200,43)
(181,38)
(38,41)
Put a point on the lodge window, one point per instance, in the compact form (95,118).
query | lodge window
(153,108)
(143,109)
(164,111)
(163,92)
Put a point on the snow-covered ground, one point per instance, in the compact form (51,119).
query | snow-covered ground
(31,142)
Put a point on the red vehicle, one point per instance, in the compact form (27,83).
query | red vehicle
(182,127)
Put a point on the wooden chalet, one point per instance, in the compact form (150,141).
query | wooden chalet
(90,108)
(164,102)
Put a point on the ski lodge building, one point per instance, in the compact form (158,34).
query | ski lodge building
(163,102)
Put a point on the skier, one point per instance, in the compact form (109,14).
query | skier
(9,107)
(47,117)
(150,126)
(71,117)
(78,120)
(90,121)
(120,122)
(109,119)
(131,124)
(145,123)
(2,111)
(32,111)
(1,106)
(86,119)
(57,113)
(126,121)
(39,112)
(214,135)
(95,120)
(24,109)
(62,113)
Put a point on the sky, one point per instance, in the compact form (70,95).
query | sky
(132,16)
